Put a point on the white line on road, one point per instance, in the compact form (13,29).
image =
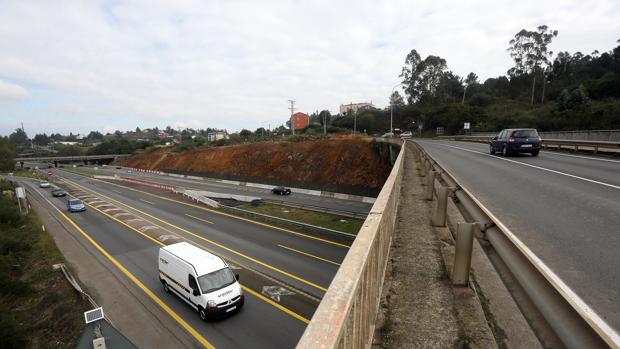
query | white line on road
(534,166)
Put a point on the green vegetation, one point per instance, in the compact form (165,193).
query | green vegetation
(38,308)
(8,152)
(325,220)
(26,173)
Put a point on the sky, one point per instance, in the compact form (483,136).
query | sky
(76,66)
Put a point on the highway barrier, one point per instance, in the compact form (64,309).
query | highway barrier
(573,321)
(346,315)
(547,143)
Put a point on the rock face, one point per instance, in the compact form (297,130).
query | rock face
(345,165)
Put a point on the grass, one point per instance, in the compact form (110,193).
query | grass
(38,307)
(325,220)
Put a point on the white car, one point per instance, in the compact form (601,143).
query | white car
(44,184)
(201,279)
(407,134)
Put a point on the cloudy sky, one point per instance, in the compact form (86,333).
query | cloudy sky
(106,65)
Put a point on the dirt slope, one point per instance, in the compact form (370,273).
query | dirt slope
(345,165)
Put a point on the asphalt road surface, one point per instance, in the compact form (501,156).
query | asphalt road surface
(564,207)
(303,265)
(361,208)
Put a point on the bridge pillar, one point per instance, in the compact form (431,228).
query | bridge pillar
(55,163)
(85,162)
(21,164)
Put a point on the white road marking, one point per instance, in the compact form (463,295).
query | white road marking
(536,167)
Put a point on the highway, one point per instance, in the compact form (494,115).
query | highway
(564,207)
(264,256)
(359,208)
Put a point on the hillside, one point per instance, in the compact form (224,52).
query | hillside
(343,165)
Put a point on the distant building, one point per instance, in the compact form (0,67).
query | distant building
(216,135)
(355,107)
(163,134)
(300,120)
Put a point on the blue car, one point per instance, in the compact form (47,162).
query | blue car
(75,205)
(516,140)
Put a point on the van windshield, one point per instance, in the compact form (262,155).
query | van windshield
(216,280)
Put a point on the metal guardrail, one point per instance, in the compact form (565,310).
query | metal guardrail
(72,157)
(346,315)
(574,144)
(574,322)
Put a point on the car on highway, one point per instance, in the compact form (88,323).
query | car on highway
(516,140)
(57,192)
(201,279)
(407,134)
(44,184)
(281,190)
(75,205)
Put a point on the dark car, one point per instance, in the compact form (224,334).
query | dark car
(516,140)
(59,192)
(281,191)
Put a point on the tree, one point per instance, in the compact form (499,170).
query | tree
(410,74)
(19,137)
(41,139)
(529,51)
(471,79)
(8,152)
(245,133)
(138,130)
(396,100)
(422,77)
(95,135)
(577,99)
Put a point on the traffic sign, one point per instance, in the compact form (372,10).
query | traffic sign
(49,173)
(466,126)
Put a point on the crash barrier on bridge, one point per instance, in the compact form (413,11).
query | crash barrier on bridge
(346,315)
(148,184)
(589,135)
(145,171)
(575,145)
(573,321)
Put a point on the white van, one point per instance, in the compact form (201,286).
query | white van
(200,278)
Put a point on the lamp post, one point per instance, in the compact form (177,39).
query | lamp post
(392,108)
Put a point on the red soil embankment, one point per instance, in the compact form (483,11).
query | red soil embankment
(321,164)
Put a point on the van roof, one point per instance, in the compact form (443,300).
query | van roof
(203,261)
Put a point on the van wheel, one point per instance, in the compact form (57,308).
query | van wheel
(202,313)
(166,287)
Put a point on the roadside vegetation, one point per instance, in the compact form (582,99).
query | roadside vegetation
(38,307)
(25,173)
(325,220)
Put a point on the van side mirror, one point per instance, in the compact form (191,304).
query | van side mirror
(196,293)
(237,277)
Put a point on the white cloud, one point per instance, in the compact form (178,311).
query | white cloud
(9,91)
(234,64)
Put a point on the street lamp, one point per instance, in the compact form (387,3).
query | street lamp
(392,108)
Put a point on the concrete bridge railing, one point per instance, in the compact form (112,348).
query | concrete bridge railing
(346,315)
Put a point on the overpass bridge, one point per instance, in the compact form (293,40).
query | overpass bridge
(84,158)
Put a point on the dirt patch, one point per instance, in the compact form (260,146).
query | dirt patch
(346,163)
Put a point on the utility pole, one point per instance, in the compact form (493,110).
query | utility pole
(292,108)
(324,124)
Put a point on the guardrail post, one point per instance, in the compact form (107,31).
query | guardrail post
(439,216)
(463,252)
(430,185)
(423,168)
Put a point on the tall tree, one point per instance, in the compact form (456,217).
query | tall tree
(8,152)
(396,100)
(529,51)
(19,137)
(422,77)
(471,79)
(41,139)
(410,75)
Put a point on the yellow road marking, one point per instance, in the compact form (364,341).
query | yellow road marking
(200,219)
(309,255)
(212,242)
(135,280)
(295,315)
(230,215)
(148,202)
